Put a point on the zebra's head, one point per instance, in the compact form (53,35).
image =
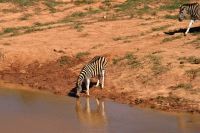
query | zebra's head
(187,9)
(182,12)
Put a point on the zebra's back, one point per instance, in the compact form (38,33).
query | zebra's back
(94,67)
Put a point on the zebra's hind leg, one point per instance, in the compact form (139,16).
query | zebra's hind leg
(87,86)
(102,79)
(98,81)
(190,25)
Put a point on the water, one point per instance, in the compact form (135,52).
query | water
(35,112)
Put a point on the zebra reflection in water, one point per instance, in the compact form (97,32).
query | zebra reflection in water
(92,117)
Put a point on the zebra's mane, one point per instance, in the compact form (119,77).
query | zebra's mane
(190,4)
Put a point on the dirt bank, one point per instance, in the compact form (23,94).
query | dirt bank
(59,78)
(151,63)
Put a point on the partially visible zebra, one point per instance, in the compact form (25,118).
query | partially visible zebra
(193,10)
(96,67)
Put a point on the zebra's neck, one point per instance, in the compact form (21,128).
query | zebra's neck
(80,79)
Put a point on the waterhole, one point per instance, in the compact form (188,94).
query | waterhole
(23,111)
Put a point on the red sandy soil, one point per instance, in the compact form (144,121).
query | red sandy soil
(159,80)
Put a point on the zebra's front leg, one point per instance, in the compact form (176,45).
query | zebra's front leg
(102,79)
(87,86)
(190,25)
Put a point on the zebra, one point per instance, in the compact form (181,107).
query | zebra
(95,67)
(193,10)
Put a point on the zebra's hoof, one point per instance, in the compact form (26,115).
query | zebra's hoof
(77,95)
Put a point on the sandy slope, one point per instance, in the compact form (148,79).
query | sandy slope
(32,58)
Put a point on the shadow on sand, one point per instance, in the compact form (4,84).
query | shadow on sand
(192,30)
(72,92)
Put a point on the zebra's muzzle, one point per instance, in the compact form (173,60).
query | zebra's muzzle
(180,19)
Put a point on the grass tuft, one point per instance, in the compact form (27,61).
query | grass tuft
(81,54)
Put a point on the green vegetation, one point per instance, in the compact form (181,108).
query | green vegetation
(79,2)
(190,59)
(20,2)
(185,86)
(78,14)
(169,39)
(13,31)
(157,66)
(130,4)
(160,28)
(117,60)
(193,73)
(63,60)
(140,7)
(171,16)
(78,26)
(25,17)
(130,59)
(173,4)
(81,54)
(124,38)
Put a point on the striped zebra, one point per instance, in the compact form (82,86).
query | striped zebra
(96,67)
(193,10)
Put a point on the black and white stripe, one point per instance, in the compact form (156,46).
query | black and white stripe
(94,68)
(193,10)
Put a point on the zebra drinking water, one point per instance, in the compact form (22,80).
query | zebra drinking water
(193,10)
(96,67)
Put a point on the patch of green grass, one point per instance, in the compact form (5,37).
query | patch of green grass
(130,59)
(157,66)
(63,60)
(169,39)
(193,73)
(78,14)
(193,60)
(160,28)
(11,10)
(25,17)
(145,10)
(185,86)
(78,26)
(92,10)
(129,4)
(117,60)
(51,4)
(121,38)
(171,16)
(12,31)
(20,2)
(81,54)
(9,30)
(190,59)
(79,2)
(173,4)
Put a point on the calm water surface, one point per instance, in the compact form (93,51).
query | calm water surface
(35,112)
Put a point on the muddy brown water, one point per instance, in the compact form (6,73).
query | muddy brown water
(22,111)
